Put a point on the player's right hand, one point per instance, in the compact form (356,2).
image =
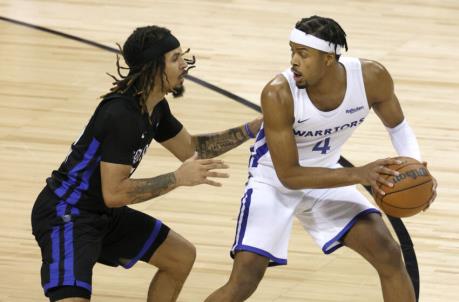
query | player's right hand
(372,174)
(196,171)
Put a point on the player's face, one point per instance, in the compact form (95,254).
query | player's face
(175,70)
(308,65)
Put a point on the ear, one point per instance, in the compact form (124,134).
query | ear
(329,59)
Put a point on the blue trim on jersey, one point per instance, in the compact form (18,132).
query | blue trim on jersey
(75,211)
(273,261)
(69,276)
(147,244)
(75,196)
(245,216)
(260,135)
(54,266)
(327,249)
(72,175)
(61,208)
(259,152)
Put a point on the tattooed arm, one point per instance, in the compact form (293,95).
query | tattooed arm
(183,145)
(214,144)
(119,190)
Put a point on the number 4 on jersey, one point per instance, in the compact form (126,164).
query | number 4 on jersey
(323,149)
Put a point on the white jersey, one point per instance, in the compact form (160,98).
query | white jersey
(319,135)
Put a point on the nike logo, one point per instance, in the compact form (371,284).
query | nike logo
(302,121)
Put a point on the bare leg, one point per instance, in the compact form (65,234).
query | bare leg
(248,270)
(370,238)
(174,259)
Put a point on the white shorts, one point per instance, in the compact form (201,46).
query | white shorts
(266,215)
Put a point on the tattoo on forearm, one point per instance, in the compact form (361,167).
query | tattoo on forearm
(145,189)
(211,145)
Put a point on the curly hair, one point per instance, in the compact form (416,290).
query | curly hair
(141,76)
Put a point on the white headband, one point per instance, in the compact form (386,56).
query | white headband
(297,36)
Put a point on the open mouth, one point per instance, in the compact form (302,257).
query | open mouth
(296,75)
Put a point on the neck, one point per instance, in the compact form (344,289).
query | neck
(332,81)
(155,96)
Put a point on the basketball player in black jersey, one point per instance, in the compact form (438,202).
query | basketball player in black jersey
(81,216)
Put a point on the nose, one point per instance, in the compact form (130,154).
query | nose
(183,63)
(294,61)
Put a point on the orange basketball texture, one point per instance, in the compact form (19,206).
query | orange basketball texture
(411,192)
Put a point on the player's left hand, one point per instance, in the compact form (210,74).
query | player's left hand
(434,189)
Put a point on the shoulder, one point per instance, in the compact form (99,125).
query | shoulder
(118,106)
(378,81)
(277,90)
(163,106)
(373,70)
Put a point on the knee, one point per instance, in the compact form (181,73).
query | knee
(387,256)
(177,261)
(247,273)
(184,260)
(246,283)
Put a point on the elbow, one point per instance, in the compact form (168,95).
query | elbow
(287,181)
(112,200)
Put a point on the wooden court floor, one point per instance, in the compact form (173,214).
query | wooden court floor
(49,86)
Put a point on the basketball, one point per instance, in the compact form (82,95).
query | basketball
(412,190)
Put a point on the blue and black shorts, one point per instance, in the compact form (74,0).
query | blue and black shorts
(73,240)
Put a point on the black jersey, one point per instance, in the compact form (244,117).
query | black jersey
(117,133)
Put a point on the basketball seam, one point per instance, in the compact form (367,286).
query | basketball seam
(407,188)
(389,204)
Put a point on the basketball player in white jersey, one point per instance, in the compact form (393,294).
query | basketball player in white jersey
(310,110)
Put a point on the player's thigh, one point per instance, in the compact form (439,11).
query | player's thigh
(70,241)
(132,236)
(370,236)
(265,220)
(329,214)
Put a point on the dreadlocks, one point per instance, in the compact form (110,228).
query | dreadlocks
(143,52)
(323,28)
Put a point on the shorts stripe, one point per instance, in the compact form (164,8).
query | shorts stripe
(147,244)
(239,220)
(335,243)
(69,276)
(244,213)
(54,266)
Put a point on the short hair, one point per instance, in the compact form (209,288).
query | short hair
(323,28)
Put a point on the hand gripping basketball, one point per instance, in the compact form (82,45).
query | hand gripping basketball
(413,189)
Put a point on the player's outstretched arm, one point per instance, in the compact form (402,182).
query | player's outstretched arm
(211,145)
(277,105)
(214,144)
(119,190)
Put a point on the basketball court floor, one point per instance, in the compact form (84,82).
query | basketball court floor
(50,84)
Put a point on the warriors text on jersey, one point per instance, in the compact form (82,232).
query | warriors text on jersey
(319,135)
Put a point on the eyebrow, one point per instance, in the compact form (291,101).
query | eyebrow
(301,47)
